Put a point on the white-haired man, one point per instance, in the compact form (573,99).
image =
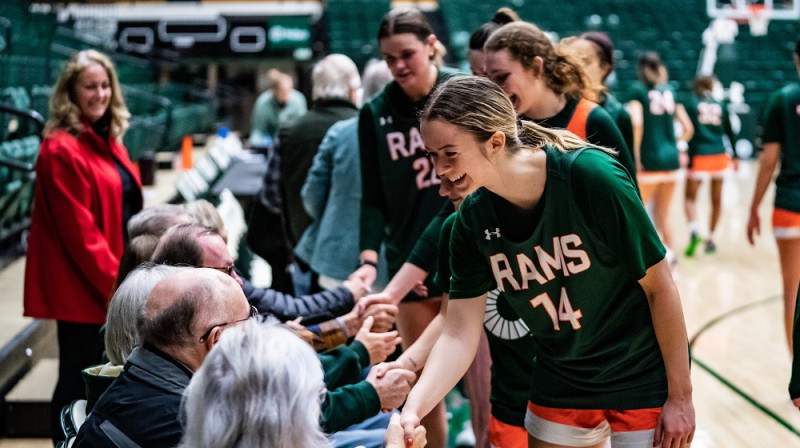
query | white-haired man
(335,90)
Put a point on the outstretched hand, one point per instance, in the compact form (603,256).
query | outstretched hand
(409,421)
(394,435)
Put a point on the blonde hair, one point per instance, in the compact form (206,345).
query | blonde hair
(525,41)
(480,107)
(64,111)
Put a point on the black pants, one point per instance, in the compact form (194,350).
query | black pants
(79,346)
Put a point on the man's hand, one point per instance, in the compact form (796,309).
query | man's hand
(379,345)
(392,388)
(385,315)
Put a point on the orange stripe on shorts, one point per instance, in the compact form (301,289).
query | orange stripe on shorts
(619,420)
(503,435)
(782,218)
(712,164)
(581,418)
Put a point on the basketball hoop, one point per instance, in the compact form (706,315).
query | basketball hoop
(758,18)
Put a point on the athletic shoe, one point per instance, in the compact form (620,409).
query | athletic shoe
(711,248)
(694,241)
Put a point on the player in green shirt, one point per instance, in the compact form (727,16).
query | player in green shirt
(506,337)
(781,139)
(400,189)
(707,157)
(555,221)
(548,86)
(658,157)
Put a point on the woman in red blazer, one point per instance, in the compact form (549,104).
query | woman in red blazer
(86,189)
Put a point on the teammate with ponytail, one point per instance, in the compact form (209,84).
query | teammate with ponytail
(548,86)
(558,225)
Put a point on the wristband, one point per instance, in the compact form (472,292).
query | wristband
(369,262)
(682,145)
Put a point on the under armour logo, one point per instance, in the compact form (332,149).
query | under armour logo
(489,234)
(384,120)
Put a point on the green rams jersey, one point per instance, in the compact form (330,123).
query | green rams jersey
(571,272)
(658,151)
(400,186)
(711,124)
(510,343)
(782,125)
(599,129)
(622,119)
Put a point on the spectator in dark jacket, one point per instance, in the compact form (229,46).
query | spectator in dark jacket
(335,93)
(194,245)
(179,324)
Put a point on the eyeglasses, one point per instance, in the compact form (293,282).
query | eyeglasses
(227,270)
(253,313)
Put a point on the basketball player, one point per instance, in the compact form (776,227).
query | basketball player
(781,139)
(707,158)
(559,227)
(658,157)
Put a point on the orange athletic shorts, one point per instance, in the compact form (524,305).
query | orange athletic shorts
(503,435)
(711,164)
(785,224)
(585,427)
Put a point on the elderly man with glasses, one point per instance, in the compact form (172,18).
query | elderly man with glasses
(181,321)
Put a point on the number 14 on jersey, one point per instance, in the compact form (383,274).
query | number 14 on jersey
(565,312)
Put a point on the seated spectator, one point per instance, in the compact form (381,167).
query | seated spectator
(349,400)
(180,322)
(121,335)
(260,386)
(200,246)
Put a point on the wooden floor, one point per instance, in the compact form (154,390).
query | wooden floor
(732,303)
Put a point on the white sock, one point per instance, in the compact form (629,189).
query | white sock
(694,227)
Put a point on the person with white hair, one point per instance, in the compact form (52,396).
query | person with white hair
(179,323)
(332,194)
(335,91)
(260,386)
(121,335)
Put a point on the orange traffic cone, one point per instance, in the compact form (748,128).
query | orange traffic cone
(187,149)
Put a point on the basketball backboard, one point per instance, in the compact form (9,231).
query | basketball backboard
(742,10)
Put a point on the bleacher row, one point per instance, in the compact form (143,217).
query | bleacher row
(33,48)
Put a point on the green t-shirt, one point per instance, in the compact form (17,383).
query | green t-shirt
(658,150)
(400,186)
(711,124)
(511,344)
(572,275)
(600,130)
(782,125)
